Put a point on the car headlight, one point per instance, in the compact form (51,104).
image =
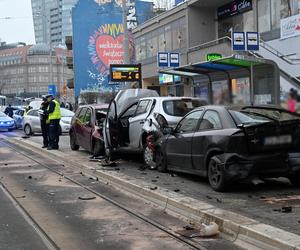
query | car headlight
(65,121)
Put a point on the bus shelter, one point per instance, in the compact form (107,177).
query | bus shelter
(233,80)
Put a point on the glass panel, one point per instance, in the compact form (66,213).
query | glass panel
(210,120)
(240,91)
(220,92)
(189,123)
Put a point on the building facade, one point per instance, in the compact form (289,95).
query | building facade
(196,28)
(52,20)
(26,71)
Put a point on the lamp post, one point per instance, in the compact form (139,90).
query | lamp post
(126,58)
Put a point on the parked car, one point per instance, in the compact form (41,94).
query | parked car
(18,117)
(86,128)
(6,122)
(227,144)
(129,121)
(32,123)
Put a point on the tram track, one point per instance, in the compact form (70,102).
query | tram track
(31,155)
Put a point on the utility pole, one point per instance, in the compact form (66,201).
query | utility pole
(126,59)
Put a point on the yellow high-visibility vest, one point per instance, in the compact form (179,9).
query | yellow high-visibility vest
(56,113)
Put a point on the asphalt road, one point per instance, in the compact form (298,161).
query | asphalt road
(246,199)
(90,223)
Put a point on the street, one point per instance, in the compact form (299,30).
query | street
(71,212)
(58,199)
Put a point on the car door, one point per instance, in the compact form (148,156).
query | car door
(179,145)
(204,138)
(34,120)
(111,134)
(136,122)
(87,130)
(78,126)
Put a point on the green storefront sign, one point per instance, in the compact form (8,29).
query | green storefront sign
(213,56)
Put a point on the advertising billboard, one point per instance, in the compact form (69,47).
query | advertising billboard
(98,36)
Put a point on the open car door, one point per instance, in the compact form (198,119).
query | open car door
(110,128)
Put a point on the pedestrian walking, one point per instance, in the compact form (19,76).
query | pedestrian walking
(54,115)
(9,111)
(44,122)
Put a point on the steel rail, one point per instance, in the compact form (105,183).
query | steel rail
(129,210)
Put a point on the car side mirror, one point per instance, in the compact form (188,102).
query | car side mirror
(168,131)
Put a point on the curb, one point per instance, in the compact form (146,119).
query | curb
(243,231)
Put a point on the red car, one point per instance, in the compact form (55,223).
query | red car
(86,128)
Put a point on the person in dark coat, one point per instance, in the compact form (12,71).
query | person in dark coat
(44,122)
(9,111)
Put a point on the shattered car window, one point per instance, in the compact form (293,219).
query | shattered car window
(246,118)
(272,114)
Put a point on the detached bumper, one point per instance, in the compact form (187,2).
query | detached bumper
(239,167)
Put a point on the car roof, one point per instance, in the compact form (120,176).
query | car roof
(163,98)
(95,106)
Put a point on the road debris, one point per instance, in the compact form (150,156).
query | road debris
(86,198)
(176,190)
(30,177)
(205,230)
(51,193)
(287,209)
(21,197)
(153,188)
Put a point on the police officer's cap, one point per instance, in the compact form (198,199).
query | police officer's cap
(47,96)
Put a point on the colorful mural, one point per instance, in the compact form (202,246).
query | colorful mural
(98,36)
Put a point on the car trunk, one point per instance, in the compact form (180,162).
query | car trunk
(273,136)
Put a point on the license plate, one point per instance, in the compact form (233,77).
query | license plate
(276,140)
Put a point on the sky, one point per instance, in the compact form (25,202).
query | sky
(20,27)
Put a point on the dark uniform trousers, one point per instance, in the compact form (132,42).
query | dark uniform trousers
(54,133)
(45,132)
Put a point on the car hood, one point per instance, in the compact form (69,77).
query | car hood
(6,119)
(125,98)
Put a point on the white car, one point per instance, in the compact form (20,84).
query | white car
(129,120)
(32,122)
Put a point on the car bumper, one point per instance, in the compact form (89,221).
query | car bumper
(7,126)
(65,128)
(267,165)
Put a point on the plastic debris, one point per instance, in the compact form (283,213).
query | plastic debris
(205,230)
(29,177)
(153,188)
(176,190)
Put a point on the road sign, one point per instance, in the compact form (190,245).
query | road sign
(163,59)
(125,73)
(238,41)
(213,56)
(52,89)
(174,60)
(252,39)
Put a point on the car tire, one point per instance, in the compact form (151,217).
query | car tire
(73,144)
(98,148)
(28,130)
(295,180)
(160,160)
(216,176)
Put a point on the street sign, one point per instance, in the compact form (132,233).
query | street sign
(174,60)
(213,56)
(52,89)
(125,73)
(163,59)
(238,41)
(252,39)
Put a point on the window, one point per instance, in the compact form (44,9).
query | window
(81,114)
(88,116)
(130,112)
(189,123)
(210,120)
(33,113)
(180,107)
(142,107)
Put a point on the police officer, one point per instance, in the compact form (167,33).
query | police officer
(44,122)
(54,115)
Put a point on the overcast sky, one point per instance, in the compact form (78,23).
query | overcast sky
(20,28)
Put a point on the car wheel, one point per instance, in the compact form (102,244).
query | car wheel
(216,175)
(27,130)
(160,160)
(98,148)
(73,144)
(295,180)
(148,157)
